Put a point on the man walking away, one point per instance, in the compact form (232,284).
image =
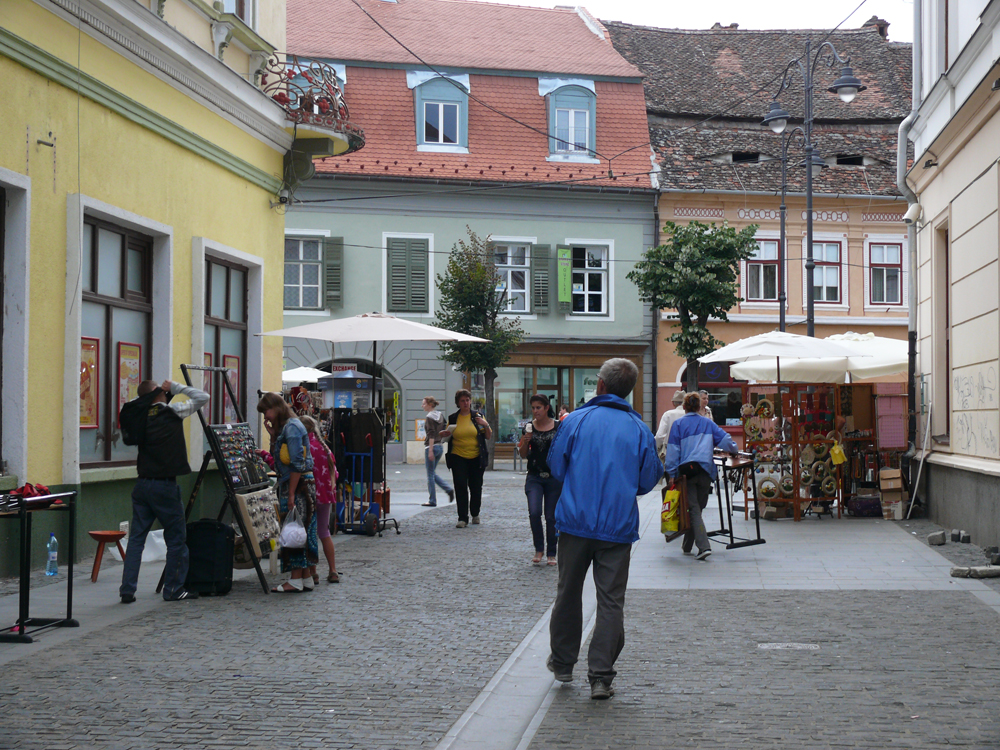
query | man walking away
(156,496)
(667,421)
(604,455)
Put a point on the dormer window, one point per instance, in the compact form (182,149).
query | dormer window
(571,105)
(847,160)
(441,106)
(746,157)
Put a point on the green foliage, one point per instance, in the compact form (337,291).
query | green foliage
(470,304)
(694,273)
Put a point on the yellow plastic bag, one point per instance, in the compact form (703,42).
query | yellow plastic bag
(837,455)
(669,521)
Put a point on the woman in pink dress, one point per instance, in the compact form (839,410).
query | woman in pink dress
(325,471)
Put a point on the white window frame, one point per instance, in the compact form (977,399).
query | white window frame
(300,262)
(904,279)
(431,310)
(161,333)
(609,315)
(822,237)
(568,145)
(528,314)
(748,304)
(321,234)
(458,124)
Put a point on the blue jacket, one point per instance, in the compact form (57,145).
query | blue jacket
(693,438)
(605,456)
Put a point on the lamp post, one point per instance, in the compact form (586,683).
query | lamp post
(786,139)
(846,87)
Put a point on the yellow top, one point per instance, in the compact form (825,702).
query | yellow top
(465,437)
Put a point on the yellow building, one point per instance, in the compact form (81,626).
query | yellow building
(142,172)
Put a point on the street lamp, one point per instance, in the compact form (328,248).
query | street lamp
(786,139)
(846,87)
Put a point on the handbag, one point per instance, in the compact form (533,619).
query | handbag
(837,455)
(293,533)
(681,516)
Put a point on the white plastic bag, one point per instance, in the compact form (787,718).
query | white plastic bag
(154,551)
(293,533)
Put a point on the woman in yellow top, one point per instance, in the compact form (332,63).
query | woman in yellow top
(467,456)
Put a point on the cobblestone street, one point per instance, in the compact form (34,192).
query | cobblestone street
(835,634)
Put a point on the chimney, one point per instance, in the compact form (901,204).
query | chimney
(719,27)
(879,23)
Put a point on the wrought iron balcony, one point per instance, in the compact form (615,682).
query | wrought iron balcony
(312,99)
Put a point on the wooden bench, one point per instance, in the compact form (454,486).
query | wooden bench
(507,452)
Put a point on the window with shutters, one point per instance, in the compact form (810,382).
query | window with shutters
(314,270)
(407,275)
(513,262)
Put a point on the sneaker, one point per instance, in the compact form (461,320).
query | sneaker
(461,525)
(451,495)
(560,676)
(429,505)
(600,691)
(703,554)
(128,598)
(475,520)
(183,595)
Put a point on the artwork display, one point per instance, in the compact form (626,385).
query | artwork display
(90,371)
(260,516)
(129,372)
(238,454)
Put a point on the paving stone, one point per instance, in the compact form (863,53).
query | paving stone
(936,538)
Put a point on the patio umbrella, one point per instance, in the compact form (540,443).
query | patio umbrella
(778,346)
(873,356)
(302,375)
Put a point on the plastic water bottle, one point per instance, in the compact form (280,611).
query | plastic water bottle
(52,566)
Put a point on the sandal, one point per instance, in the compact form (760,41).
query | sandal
(552,561)
(282,590)
(537,559)
(311,585)
(315,577)
(334,577)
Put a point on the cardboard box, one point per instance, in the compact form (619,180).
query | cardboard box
(890,479)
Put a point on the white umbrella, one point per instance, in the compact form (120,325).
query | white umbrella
(302,375)
(777,344)
(873,356)
(373,327)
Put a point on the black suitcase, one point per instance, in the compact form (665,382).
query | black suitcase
(210,550)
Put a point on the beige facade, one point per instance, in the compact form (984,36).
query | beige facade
(851,225)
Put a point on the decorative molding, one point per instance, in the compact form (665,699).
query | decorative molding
(222,33)
(699,213)
(249,115)
(767,214)
(881,217)
(56,70)
(834,216)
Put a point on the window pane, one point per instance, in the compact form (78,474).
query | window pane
(218,307)
(109,263)
(449,123)
(595,258)
(237,295)
(833,253)
(310,273)
(291,296)
(892,285)
(596,303)
(292,273)
(579,139)
(432,123)
(562,130)
(753,281)
(518,255)
(134,270)
(92,322)
(770,282)
(500,255)
(310,249)
(87,269)
(291,249)
(878,253)
(770,251)
(595,282)
(517,281)
(518,301)
(892,253)
(579,257)
(130,326)
(310,296)
(578,303)
(878,285)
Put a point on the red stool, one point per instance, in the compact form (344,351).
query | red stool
(104,537)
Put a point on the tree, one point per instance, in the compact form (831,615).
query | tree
(470,304)
(694,273)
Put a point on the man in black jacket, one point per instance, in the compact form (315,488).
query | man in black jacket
(156,496)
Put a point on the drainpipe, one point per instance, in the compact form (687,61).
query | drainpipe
(656,317)
(911,236)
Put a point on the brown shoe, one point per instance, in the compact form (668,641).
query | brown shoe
(334,577)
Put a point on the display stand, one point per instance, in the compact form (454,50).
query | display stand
(235,452)
(874,439)
(734,472)
(23,509)
(362,498)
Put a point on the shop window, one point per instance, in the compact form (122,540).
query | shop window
(762,272)
(116,317)
(226,335)
(408,275)
(886,269)
(826,274)
(313,273)
(512,262)
(590,280)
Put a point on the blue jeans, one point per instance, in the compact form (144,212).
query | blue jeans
(431,458)
(157,500)
(543,493)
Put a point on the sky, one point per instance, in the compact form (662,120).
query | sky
(749,14)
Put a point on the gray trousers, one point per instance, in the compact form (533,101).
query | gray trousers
(698,488)
(611,561)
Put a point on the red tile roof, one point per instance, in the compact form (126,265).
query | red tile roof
(455,33)
(500,150)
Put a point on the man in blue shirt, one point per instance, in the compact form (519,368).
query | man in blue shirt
(605,456)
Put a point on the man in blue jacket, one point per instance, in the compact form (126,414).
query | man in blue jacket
(605,456)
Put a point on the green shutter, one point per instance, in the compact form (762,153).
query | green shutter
(333,272)
(564,305)
(397,275)
(418,275)
(541,278)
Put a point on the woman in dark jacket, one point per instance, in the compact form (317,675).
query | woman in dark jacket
(467,456)
(540,486)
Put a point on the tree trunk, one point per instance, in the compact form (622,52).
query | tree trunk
(491,412)
(691,375)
